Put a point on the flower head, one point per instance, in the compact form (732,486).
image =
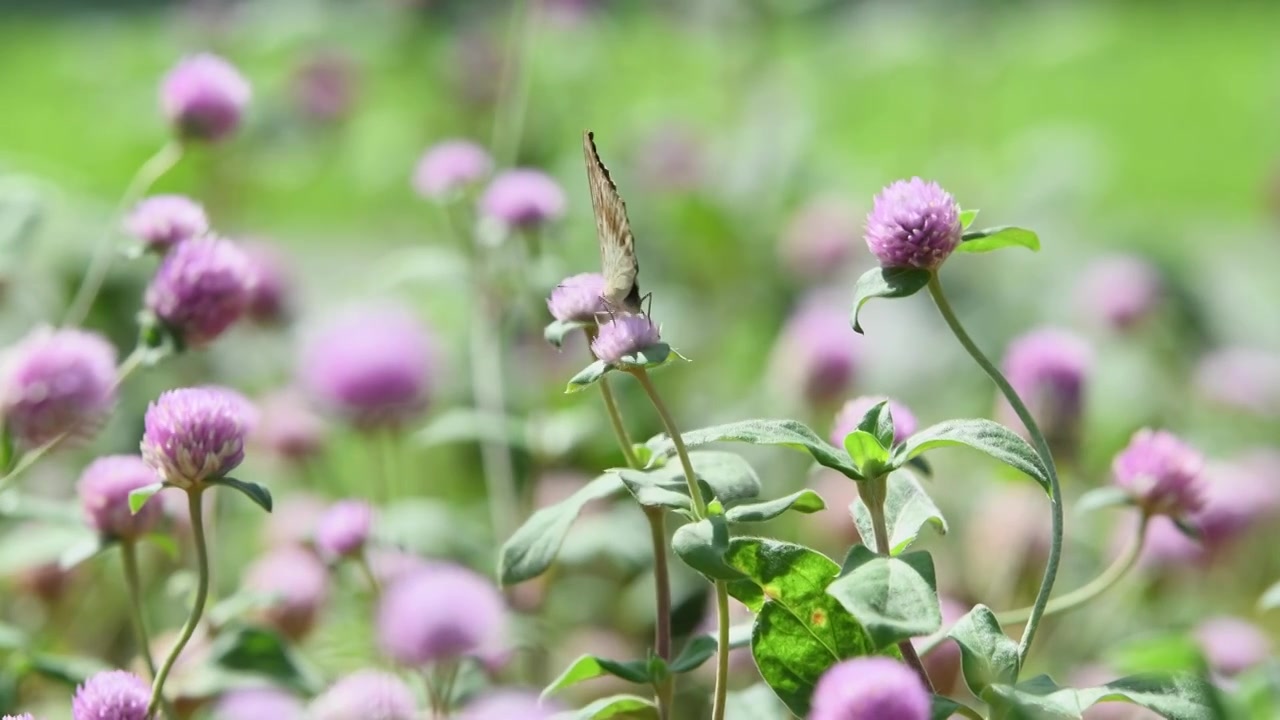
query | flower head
(194,434)
(624,335)
(507,705)
(523,198)
(1161,473)
(1241,378)
(288,426)
(819,239)
(904,422)
(869,688)
(450,166)
(443,613)
(578,298)
(1049,369)
(299,585)
(913,224)
(57,382)
(104,496)
(372,367)
(162,221)
(270,285)
(817,354)
(1232,645)
(258,703)
(201,288)
(111,695)
(344,528)
(204,97)
(1120,290)
(368,695)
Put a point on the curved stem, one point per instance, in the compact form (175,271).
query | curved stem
(875,495)
(196,508)
(367,570)
(146,176)
(1042,449)
(722,653)
(619,429)
(129,558)
(1094,588)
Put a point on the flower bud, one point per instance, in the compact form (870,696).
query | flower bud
(104,496)
(204,98)
(624,335)
(55,383)
(914,224)
(201,289)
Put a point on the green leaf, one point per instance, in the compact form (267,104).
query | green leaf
(725,476)
(800,630)
(589,667)
(699,650)
(1177,697)
(871,458)
(893,598)
(264,653)
(84,550)
(967,217)
(165,543)
(1102,497)
(981,241)
(907,508)
(238,605)
(1167,652)
(886,283)
(986,436)
(702,546)
(587,376)
(1270,599)
(804,501)
(784,433)
(558,330)
(943,708)
(614,706)
(652,357)
(255,492)
(878,421)
(533,547)
(987,655)
(69,669)
(140,496)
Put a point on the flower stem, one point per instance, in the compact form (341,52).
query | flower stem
(129,558)
(1093,589)
(196,507)
(1042,449)
(146,176)
(875,491)
(367,570)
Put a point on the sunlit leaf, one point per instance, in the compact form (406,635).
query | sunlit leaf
(893,598)
(886,283)
(907,509)
(990,438)
(533,547)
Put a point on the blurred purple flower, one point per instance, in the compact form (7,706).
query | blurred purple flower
(1161,473)
(913,224)
(1232,645)
(943,662)
(904,422)
(270,284)
(444,613)
(817,354)
(508,705)
(1049,369)
(202,287)
(624,335)
(819,240)
(324,86)
(1121,290)
(578,298)
(671,158)
(368,695)
(104,489)
(1013,518)
(57,382)
(204,97)
(299,585)
(162,221)
(288,427)
(194,434)
(523,198)
(390,566)
(1240,378)
(111,695)
(869,688)
(343,529)
(450,166)
(293,520)
(258,703)
(373,367)
(23,716)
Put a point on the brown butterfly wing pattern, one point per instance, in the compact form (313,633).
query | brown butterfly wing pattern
(617,244)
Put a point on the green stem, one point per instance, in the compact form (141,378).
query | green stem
(619,429)
(1093,589)
(196,508)
(367,570)
(146,176)
(722,652)
(514,84)
(1042,449)
(129,558)
(876,491)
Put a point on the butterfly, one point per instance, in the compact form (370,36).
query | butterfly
(617,244)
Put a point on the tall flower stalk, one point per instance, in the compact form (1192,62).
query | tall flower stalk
(196,508)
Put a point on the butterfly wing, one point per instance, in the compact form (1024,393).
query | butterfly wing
(617,244)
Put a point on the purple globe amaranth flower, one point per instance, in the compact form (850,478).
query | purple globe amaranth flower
(365,694)
(914,224)
(56,383)
(258,703)
(111,695)
(1049,369)
(104,496)
(344,528)
(1241,378)
(1232,645)
(578,298)
(508,705)
(293,520)
(202,287)
(270,284)
(523,198)
(869,688)
(1161,473)
(443,613)
(204,97)
(449,167)
(817,355)
(23,716)
(192,435)
(624,335)
(298,584)
(1120,291)
(162,221)
(324,86)
(819,239)
(372,367)
(288,427)
(904,422)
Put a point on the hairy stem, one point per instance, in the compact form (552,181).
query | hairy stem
(1042,449)
(196,507)
(875,492)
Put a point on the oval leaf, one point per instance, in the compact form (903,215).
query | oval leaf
(533,547)
(784,433)
(967,217)
(255,492)
(558,330)
(140,496)
(981,241)
(987,655)
(1177,697)
(804,501)
(907,508)
(587,376)
(893,598)
(699,650)
(886,283)
(588,667)
(262,652)
(632,706)
(867,453)
(986,436)
(702,546)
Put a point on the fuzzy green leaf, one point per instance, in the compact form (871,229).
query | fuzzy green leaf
(255,492)
(784,433)
(140,496)
(868,454)
(533,547)
(907,508)
(886,283)
(699,650)
(1177,697)
(702,546)
(589,667)
(894,598)
(558,330)
(614,706)
(587,376)
(878,421)
(987,655)
(803,501)
(725,476)
(967,217)
(981,241)
(986,436)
